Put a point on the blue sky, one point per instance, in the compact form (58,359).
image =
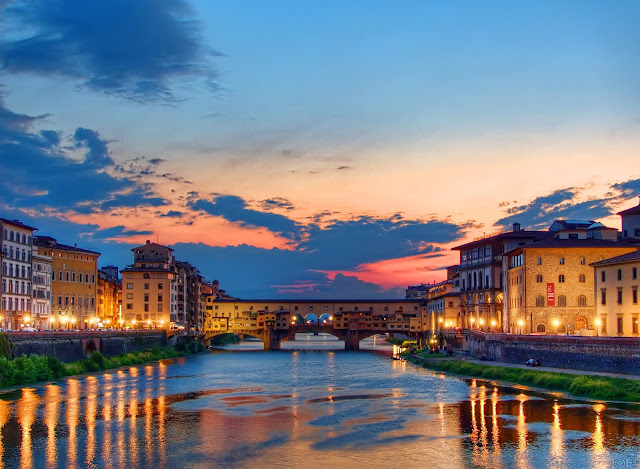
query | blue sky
(314,148)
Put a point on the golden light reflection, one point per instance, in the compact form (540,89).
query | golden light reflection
(73,404)
(5,414)
(521,458)
(91,409)
(26,410)
(106,415)
(557,443)
(148,427)
(162,444)
(133,434)
(51,399)
(495,428)
(121,449)
(598,435)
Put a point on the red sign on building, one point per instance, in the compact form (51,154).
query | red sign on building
(551,295)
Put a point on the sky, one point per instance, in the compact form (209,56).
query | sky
(317,149)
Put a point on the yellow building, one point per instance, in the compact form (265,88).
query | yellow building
(149,290)
(73,286)
(550,284)
(443,307)
(108,292)
(617,308)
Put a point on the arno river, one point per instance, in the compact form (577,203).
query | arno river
(305,409)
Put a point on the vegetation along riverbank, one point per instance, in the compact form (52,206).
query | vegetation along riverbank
(582,385)
(31,368)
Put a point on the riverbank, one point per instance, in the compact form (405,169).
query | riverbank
(580,385)
(29,369)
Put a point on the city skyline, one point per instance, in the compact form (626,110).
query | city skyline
(320,150)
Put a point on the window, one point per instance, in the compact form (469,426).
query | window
(603,296)
(562,261)
(159,307)
(619,274)
(146,286)
(160,297)
(603,276)
(539,300)
(582,300)
(583,261)
(634,324)
(562,300)
(129,296)
(561,278)
(634,273)
(634,296)
(129,286)
(160,285)
(619,321)
(146,297)
(129,305)
(146,307)
(539,278)
(582,278)
(619,296)
(540,328)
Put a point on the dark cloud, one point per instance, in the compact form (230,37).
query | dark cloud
(628,188)
(234,209)
(343,167)
(172,214)
(276,202)
(38,172)
(132,49)
(119,231)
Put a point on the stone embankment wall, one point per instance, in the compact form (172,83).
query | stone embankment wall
(72,346)
(609,354)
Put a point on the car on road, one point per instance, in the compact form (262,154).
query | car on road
(532,362)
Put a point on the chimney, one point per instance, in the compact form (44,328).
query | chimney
(148,242)
(516,227)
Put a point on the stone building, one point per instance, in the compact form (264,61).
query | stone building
(616,287)
(549,285)
(74,283)
(443,307)
(108,292)
(149,288)
(41,282)
(631,224)
(481,279)
(16,245)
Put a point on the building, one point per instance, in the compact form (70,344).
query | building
(480,276)
(108,292)
(443,307)
(41,269)
(631,224)
(549,284)
(16,246)
(149,288)
(74,283)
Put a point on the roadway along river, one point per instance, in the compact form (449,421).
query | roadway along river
(304,409)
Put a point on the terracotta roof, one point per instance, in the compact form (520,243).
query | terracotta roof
(574,243)
(50,243)
(629,257)
(521,234)
(17,223)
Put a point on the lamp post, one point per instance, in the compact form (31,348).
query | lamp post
(556,323)
(494,323)
(473,320)
(521,326)
(598,322)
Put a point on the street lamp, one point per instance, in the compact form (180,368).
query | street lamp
(494,323)
(598,323)
(556,323)
(521,325)
(473,320)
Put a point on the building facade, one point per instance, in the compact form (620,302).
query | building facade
(16,296)
(74,284)
(616,290)
(550,284)
(149,288)
(108,293)
(631,224)
(41,282)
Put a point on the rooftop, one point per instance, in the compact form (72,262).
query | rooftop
(624,258)
(573,243)
(631,211)
(17,224)
(520,234)
(51,243)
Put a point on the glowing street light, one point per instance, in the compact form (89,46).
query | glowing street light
(598,324)
(521,325)
(556,323)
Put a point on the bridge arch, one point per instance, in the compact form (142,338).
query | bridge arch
(311,318)
(297,319)
(325,318)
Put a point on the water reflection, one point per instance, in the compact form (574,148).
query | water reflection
(307,409)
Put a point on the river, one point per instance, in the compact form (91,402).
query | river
(304,409)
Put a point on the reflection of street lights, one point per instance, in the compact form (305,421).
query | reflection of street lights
(521,325)
(598,323)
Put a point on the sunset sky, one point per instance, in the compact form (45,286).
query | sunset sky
(316,148)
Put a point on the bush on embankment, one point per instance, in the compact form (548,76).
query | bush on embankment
(31,368)
(593,387)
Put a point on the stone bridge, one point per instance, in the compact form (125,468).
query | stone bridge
(352,326)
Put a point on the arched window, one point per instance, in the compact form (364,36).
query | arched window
(60,275)
(80,277)
(24,239)
(539,300)
(73,276)
(540,328)
(582,300)
(562,300)
(561,278)
(10,235)
(6,234)
(582,278)
(539,278)
(562,329)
